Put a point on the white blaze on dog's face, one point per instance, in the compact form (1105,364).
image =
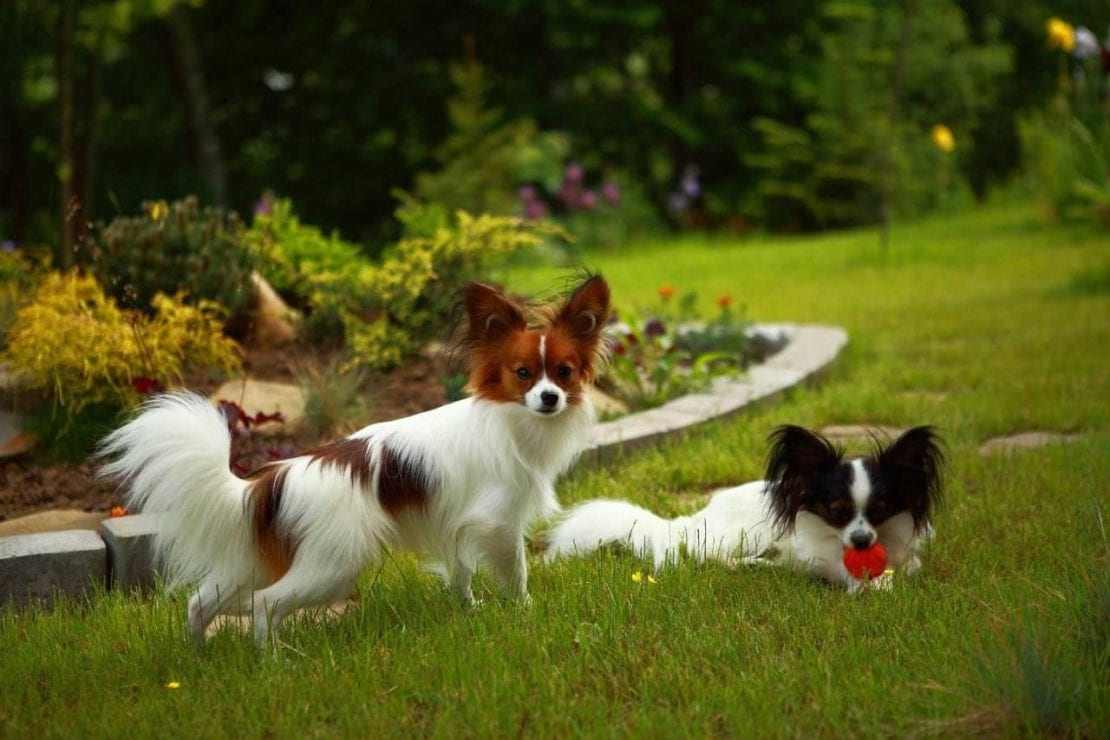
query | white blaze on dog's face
(545,396)
(859,532)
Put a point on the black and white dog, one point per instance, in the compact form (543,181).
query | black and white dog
(813,505)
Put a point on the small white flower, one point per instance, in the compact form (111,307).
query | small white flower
(1086,43)
(276,80)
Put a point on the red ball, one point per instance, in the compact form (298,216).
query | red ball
(868,563)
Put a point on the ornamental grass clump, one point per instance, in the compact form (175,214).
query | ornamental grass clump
(72,343)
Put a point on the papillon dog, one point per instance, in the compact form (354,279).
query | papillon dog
(813,505)
(457,484)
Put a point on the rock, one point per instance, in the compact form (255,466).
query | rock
(40,567)
(55,520)
(274,322)
(606,404)
(1024,441)
(130,550)
(852,432)
(13,440)
(266,397)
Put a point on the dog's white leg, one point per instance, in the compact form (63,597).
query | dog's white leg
(210,598)
(461,575)
(310,581)
(505,552)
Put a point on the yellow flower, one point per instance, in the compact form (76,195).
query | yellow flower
(651,579)
(173,685)
(942,138)
(158,210)
(638,576)
(1061,34)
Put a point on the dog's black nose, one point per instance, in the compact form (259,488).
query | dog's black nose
(549,398)
(860,540)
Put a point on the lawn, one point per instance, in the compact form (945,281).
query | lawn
(983,324)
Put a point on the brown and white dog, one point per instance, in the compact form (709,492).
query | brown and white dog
(458,484)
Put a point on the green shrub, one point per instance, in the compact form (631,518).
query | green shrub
(74,344)
(176,248)
(1068,161)
(390,307)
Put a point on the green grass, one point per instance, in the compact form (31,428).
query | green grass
(982,324)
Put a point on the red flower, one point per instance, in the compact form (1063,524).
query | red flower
(118,511)
(666,291)
(147,386)
(724,301)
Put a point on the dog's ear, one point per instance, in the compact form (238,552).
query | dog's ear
(797,460)
(583,318)
(490,315)
(912,465)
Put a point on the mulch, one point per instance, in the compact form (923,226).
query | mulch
(27,486)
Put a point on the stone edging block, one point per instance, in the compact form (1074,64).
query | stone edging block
(39,567)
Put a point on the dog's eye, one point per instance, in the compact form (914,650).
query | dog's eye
(523,373)
(564,371)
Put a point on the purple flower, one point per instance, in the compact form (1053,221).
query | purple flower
(588,200)
(654,328)
(690,185)
(535,209)
(574,173)
(526,192)
(569,195)
(611,192)
(264,207)
(8,246)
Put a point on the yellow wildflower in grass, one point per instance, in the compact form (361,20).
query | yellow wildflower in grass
(637,577)
(942,138)
(173,685)
(1061,34)
(651,579)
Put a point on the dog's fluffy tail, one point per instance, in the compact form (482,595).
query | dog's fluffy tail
(601,522)
(734,525)
(174,459)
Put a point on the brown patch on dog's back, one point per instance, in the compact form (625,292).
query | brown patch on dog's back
(275,547)
(346,453)
(402,484)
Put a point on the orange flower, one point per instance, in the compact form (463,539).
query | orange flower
(724,301)
(118,511)
(666,291)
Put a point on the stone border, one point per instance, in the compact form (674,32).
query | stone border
(36,568)
(810,349)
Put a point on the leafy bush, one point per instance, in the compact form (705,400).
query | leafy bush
(1066,147)
(72,342)
(390,307)
(176,248)
(16,280)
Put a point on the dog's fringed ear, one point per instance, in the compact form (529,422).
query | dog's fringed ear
(583,317)
(796,458)
(912,465)
(490,315)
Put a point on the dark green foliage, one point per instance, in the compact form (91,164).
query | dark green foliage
(179,247)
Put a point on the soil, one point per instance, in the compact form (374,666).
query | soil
(27,486)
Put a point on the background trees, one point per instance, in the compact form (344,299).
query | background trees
(780,111)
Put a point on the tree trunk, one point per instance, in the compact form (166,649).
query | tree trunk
(887,172)
(64,74)
(209,153)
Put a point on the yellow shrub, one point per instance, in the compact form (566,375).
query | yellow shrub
(74,343)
